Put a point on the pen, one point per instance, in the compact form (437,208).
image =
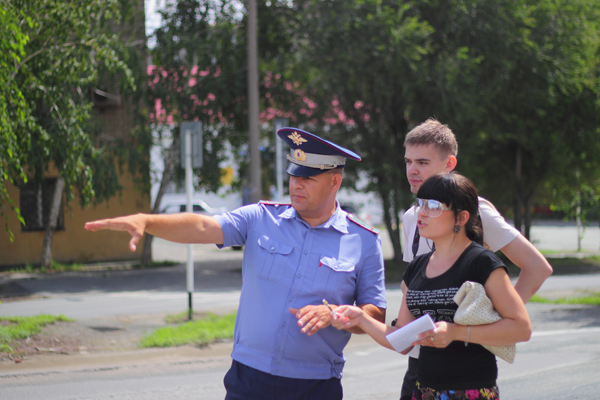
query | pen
(333,314)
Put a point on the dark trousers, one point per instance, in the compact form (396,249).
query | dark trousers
(245,383)
(410,379)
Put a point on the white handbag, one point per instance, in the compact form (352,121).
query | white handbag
(475,308)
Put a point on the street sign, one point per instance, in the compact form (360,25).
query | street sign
(195,129)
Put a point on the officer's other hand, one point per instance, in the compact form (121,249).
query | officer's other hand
(134,224)
(312,318)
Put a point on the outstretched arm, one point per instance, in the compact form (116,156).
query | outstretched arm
(180,228)
(535,269)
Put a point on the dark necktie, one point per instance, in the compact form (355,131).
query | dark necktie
(415,245)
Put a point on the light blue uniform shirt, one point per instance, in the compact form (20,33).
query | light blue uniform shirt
(288,264)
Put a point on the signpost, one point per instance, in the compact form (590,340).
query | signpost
(191,157)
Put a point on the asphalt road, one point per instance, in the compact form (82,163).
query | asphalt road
(561,361)
(560,365)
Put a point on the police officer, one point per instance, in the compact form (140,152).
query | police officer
(296,255)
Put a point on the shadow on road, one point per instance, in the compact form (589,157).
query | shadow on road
(581,316)
(211,276)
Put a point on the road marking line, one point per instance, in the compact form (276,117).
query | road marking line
(565,332)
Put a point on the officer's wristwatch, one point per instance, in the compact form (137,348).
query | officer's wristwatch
(394,322)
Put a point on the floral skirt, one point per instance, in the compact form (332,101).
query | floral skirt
(423,393)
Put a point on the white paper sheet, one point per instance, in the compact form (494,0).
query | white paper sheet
(402,338)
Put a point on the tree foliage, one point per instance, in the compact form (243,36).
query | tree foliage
(61,51)
(200,73)
(14,110)
(540,99)
(516,80)
(363,62)
(71,46)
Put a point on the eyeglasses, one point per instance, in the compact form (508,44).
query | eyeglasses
(433,208)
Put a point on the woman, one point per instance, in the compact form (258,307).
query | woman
(452,362)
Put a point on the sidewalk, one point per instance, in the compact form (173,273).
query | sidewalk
(42,364)
(97,339)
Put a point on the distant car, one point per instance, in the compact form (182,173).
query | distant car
(353,209)
(349,208)
(198,207)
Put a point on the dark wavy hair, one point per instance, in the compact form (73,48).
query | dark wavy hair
(458,193)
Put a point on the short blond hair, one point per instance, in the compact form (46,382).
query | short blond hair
(336,171)
(433,132)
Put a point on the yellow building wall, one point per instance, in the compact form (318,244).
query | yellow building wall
(74,243)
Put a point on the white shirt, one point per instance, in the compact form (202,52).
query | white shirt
(497,233)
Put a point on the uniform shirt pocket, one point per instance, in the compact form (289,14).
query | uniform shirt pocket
(272,258)
(333,275)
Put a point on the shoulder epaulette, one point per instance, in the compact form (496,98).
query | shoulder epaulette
(273,203)
(362,223)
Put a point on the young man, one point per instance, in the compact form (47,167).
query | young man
(294,257)
(431,148)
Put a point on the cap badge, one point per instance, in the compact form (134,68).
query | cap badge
(299,155)
(297,139)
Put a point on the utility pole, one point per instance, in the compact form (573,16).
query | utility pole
(279,158)
(253,131)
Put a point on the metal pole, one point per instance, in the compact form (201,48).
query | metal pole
(253,131)
(189,188)
(578,220)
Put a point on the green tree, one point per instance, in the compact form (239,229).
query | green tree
(580,205)
(378,68)
(538,85)
(72,47)
(365,64)
(574,186)
(509,77)
(513,79)
(14,110)
(200,73)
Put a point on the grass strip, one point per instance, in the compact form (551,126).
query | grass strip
(587,299)
(203,331)
(78,267)
(14,328)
